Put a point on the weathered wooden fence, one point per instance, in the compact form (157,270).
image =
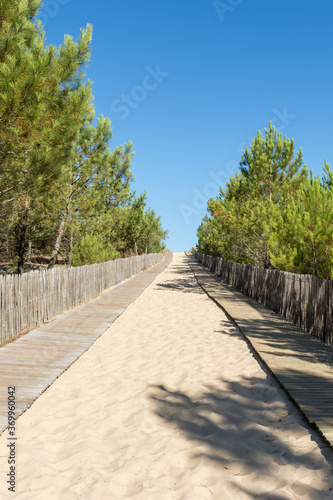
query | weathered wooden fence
(303,299)
(38,296)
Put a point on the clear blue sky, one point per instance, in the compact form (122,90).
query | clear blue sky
(190,82)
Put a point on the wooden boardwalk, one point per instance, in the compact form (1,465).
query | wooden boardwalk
(302,364)
(34,361)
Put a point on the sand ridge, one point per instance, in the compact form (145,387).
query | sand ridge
(169,403)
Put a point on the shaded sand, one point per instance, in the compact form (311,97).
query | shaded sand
(168,404)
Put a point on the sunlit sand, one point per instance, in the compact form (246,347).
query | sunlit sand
(168,404)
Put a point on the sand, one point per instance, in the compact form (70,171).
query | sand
(169,403)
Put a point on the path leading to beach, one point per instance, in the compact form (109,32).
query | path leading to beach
(169,403)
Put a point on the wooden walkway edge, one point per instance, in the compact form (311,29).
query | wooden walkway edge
(302,364)
(33,362)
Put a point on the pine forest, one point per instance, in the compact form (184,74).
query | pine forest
(65,195)
(273,212)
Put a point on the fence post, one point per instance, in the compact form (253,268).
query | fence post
(32,299)
(304,299)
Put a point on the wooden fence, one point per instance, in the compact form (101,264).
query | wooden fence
(39,296)
(305,300)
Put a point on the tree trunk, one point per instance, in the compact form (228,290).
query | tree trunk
(57,243)
(315,259)
(267,262)
(29,253)
(22,244)
(71,241)
(136,249)
(8,252)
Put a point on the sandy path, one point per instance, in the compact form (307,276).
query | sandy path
(168,404)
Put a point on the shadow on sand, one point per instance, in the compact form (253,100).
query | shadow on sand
(248,427)
(239,427)
(183,281)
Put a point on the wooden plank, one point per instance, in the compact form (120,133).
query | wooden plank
(302,364)
(34,361)
(39,296)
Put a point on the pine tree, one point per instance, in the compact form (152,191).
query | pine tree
(302,240)
(96,181)
(41,99)
(241,224)
(62,190)
(271,174)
